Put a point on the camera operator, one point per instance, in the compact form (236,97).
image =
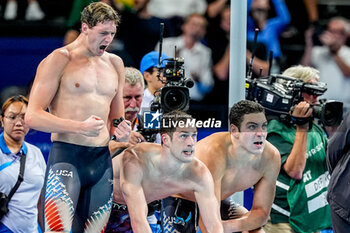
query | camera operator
(302,183)
(149,70)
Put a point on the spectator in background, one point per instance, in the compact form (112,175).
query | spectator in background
(302,184)
(33,11)
(173,8)
(332,58)
(218,38)
(270,27)
(153,77)
(139,30)
(23,206)
(198,63)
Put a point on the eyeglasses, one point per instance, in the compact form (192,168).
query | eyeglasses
(15,118)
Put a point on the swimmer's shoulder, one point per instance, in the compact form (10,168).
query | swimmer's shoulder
(215,142)
(59,56)
(271,153)
(115,60)
(143,151)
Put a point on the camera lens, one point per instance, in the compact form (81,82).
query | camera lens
(175,98)
(330,113)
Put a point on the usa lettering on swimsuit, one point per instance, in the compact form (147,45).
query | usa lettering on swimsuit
(64,173)
(209,123)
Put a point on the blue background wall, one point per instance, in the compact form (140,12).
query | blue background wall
(19,58)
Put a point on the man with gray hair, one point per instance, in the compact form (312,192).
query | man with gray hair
(302,183)
(132,98)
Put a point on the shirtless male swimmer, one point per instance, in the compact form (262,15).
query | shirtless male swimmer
(82,86)
(238,160)
(147,172)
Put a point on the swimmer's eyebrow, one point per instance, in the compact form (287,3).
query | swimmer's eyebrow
(255,123)
(183,131)
(252,123)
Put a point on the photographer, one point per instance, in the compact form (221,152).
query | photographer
(332,58)
(302,184)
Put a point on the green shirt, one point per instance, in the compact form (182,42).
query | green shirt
(302,203)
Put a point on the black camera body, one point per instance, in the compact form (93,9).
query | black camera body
(175,93)
(280,94)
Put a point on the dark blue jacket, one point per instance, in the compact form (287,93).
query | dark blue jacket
(338,159)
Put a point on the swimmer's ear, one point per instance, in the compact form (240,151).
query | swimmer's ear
(165,138)
(84,27)
(234,130)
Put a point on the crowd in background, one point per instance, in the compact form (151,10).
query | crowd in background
(287,30)
(290,33)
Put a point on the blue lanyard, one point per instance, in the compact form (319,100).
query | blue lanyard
(5,165)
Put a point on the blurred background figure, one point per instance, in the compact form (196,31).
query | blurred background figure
(197,63)
(271,22)
(139,31)
(176,8)
(23,212)
(33,11)
(332,58)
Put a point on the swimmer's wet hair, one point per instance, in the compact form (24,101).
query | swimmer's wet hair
(173,116)
(98,12)
(242,108)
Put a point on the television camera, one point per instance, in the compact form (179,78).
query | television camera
(280,94)
(175,93)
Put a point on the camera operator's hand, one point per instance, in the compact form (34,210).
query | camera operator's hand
(136,137)
(122,131)
(302,110)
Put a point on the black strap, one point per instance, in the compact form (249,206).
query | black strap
(20,177)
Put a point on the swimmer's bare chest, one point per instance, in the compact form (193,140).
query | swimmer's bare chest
(86,88)
(238,179)
(89,77)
